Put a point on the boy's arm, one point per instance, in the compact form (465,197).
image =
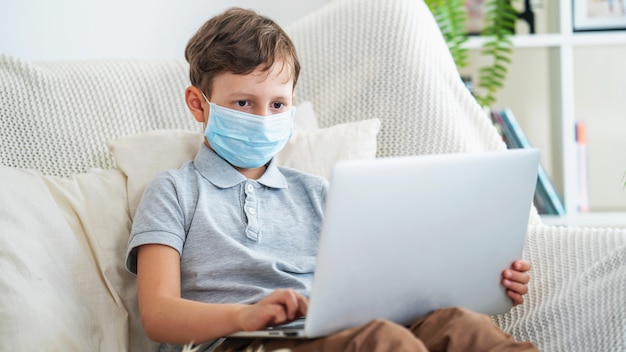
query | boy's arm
(166,317)
(516,279)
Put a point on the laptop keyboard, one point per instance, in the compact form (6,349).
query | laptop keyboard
(293,325)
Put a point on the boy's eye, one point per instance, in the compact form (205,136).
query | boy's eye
(278,106)
(242,103)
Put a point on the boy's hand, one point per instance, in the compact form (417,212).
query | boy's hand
(516,280)
(280,306)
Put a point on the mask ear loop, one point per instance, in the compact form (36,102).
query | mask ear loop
(205,98)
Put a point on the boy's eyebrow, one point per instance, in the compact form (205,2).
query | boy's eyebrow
(250,96)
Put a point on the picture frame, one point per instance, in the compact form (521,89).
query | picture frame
(475,16)
(598,15)
(475,10)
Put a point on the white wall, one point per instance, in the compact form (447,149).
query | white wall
(87,29)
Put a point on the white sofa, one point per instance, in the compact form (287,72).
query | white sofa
(76,150)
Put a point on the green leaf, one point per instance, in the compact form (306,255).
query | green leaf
(500,17)
(451,18)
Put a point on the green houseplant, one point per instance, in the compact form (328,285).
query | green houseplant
(499,26)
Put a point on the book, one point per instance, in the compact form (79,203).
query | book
(546,198)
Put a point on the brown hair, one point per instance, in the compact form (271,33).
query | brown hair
(238,41)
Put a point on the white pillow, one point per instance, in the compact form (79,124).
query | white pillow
(305,119)
(317,151)
(144,155)
(63,284)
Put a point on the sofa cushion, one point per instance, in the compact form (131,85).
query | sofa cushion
(63,283)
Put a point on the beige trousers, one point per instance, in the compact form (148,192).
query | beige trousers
(449,329)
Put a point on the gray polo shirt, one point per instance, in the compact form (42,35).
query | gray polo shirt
(238,239)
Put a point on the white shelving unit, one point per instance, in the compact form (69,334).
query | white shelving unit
(562,45)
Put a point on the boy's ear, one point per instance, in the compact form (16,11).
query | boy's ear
(196,104)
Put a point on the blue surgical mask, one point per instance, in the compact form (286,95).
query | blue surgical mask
(247,140)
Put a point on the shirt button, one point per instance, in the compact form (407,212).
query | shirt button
(250,188)
(251,211)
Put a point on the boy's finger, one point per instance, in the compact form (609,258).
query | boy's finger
(521,265)
(517,287)
(303,304)
(279,315)
(291,303)
(515,297)
(284,302)
(516,276)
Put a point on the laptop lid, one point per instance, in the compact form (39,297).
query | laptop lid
(405,236)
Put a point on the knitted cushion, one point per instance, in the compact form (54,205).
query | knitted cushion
(57,116)
(576,299)
(388,59)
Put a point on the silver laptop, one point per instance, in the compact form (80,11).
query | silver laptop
(404,236)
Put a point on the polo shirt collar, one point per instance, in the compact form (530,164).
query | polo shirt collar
(223,175)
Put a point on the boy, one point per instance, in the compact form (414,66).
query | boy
(228,241)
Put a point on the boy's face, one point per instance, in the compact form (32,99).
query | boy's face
(260,92)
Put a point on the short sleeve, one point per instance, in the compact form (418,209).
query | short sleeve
(159,219)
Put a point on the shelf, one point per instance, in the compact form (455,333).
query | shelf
(562,64)
(608,219)
(557,40)
(522,41)
(597,38)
